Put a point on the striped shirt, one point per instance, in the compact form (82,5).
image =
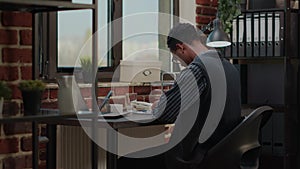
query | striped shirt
(188,88)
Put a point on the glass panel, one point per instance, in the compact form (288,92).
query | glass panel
(140,29)
(82,1)
(74,31)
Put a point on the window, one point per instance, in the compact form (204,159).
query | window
(68,32)
(140,40)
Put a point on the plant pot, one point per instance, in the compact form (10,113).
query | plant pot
(32,102)
(87,77)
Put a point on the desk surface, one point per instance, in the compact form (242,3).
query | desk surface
(43,115)
(54,117)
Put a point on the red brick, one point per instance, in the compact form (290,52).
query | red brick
(26,143)
(156,92)
(26,37)
(53,93)
(88,102)
(8,37)
(45,94)
(16,93)
(26,72)
(43,165)
(202,19)
(146,98)
(17,128)
(215,3)
(86,92)
(155,87)
(15,55)
(117,100)
(9,73)
(49,104)
(206,10)
(42,145)
(142,90)
(122,90)
(19,162)
(43,154)
(203,2)
(102,91)
(140,98)
(17,19)
(10,108)
(9,145)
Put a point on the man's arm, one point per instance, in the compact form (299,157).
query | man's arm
(186,90)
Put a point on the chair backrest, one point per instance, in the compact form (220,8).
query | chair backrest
(240,149)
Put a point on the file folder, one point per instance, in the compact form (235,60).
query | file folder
(256,37)
(248,37)
(270,36)
(262,40)
(237,37)
(277,36)
(264,44)
(234,38)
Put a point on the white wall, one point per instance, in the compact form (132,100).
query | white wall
(187,10)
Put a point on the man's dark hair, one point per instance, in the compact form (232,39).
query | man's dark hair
(182,33)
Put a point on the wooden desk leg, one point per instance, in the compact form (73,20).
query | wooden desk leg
(112,144)
(35,146)
(51,146)
(94,155)
(94,146)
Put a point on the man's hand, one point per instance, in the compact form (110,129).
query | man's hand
(154,104)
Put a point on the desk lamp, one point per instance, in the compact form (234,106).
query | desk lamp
(218,38)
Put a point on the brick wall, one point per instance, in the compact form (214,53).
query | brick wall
(205,11)
(16,65)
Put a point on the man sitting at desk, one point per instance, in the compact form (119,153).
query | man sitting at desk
(201,118)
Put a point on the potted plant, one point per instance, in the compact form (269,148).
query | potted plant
(32,91)
(86,67)
(227,11)
(5,94)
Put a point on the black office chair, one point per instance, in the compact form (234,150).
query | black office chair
(240,149)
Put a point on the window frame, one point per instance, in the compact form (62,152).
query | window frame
(45,40)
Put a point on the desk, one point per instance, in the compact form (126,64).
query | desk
(111,127)
(52,118)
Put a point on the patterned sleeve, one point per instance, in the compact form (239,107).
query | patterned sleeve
(186,90)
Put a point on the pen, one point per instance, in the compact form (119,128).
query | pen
(105,99)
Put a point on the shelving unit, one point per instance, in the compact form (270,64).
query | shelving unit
(40,6)
(266,51)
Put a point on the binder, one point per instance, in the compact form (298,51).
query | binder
(256,50)
(237,37)
(264,45)
(249,37)
(277,36)
(234,38)
(240,38)
(262,41)
(270,36)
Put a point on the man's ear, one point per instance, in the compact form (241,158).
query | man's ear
(180,46)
